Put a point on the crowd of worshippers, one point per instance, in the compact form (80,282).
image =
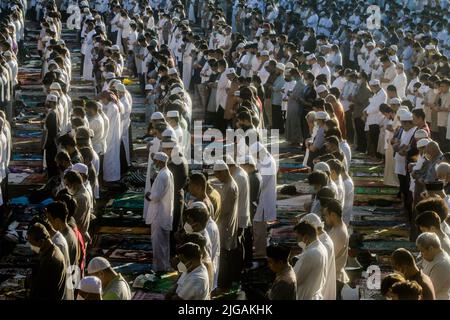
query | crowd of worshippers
(11,39)
(328,83)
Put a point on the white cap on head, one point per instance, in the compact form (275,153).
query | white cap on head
(52,98)
(280,66)
(313,220)
(395,101)
(55,86)
(264,53)
(321,89)
(98,264)
(7,54)
(198,205)
(172,71)
(161,156)
(120,87)
(289,66)
(90,284)
(370,44)
(322,115)
(393,47)
(109,75)
(173,114)
(311,56)
(157,116)
(400,66)
(406,116)
(176,90)
(430,47)
(374,82)
(322,166)
(80,168)
(230,71)
(220,165)
(148,86)
(115,48)
(423,143)
(420,134)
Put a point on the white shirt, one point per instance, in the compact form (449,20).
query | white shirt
(266,210)
(349,190)
(400,83)
(373,109)
(400,161)
(241,178)
(194,285)
(329,289)
(311,271)
(340,238)
(439,272)
(221,94)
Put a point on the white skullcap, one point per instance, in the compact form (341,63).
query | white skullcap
(60,42)
(395,101)
(240,46)
(313,220)
(321,89)
(80,168)
(406,116)
(394,47)
(168,133)
(420,134)
(52,98)
(90,284)
(115,48)
(120,87)
(109,75)
(230,71)
(161,156)
(98,264)
(85,10)
(148,86)
(169,144)
(322,166)
(176,90)
(400,66)
(157,116)
(172,71)
(264,53)
(280,66)
(422,143)
(370,44)
(322,115)
(198,205)
(289,65)
(430,47)
(55,86)
(7,54)
(311,56)
(173,114)
(374,82)
(220,165)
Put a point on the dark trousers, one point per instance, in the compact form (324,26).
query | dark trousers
(349,126)
(372,140)
(442,139)
(221,123)
(228,268)
(361,141)
(406,195)
(248,246)
(304,125)
(277,118)
(52,168)
(178,208)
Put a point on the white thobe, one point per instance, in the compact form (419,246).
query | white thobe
(400,161)
(340,238)
(329,288)
(111,162)
(126,121)
(266,210)
(311,271)
(439,272)
(400,83)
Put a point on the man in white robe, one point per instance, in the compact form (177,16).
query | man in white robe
(159,214)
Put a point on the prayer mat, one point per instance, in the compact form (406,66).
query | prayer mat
(124,230)
(143,295)
(374,223)
(129,200)
(130,255)
(163,284)
(388,246)
(27,157)
(374,191)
